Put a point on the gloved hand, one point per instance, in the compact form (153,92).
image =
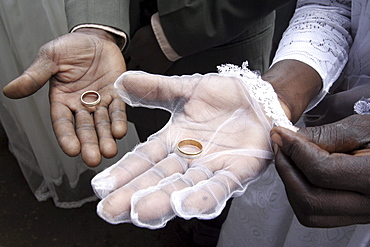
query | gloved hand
(230,115)
(77,62)
(144,53)
(326,171)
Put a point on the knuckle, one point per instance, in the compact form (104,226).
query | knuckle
(360,128)
(103,123)
(308,221)
(311,133)
(307,208)
(320,172)
(303,207)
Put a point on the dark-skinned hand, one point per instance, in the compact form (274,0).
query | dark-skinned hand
(145,53)
(87,59)
(326,171)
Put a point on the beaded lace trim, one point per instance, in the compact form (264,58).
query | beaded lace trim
(362,106)
(260,90)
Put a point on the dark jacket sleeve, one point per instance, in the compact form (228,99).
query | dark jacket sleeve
(113,13)
(195,25)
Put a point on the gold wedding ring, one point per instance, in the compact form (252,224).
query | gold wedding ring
(90,93)
(189,147)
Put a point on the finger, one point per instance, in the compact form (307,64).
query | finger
(142,89)
(343,136)
(117,113)
(40,71)
(208,198)
(134,163)
(107,144)
(151,207)
(334,171)
(116,206)
(87,136)
(201,192)
(315,206)
(62,121)
(324,221)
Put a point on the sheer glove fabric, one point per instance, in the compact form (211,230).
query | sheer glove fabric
(75,63)
(153,183)
(326,171)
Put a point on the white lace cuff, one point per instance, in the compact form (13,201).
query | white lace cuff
(262,91)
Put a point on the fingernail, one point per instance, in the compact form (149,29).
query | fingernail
(112,217)
(276,148)
(103,185)
(276,138)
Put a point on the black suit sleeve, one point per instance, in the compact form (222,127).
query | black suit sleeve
(196,25)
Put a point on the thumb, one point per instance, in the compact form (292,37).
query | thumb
(40,71)
(138,88)
(296,146)
(150,86)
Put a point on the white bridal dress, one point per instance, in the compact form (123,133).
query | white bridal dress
(328,39)
(25,26)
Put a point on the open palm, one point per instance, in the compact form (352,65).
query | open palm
(154,182)
(75,63)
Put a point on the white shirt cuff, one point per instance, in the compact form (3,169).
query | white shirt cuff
(121,34)
(165,46)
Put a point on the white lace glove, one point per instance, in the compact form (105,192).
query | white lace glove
(155,182)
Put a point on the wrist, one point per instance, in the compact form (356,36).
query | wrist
(263,92)
(103,34)
(296,84)
(285,108)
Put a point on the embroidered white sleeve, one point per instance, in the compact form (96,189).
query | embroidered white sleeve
(319,35)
